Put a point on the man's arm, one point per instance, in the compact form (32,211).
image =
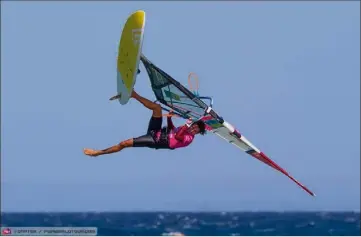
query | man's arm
(170,122)
(180,134)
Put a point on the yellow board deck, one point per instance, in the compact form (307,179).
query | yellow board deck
(130,49)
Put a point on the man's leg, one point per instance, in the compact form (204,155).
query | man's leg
(112,149)
(154,124)
(156,108)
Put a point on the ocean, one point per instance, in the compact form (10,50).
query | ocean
(196,223)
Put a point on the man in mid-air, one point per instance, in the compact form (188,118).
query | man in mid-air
(169,137)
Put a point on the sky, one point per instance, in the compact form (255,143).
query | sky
(286,74)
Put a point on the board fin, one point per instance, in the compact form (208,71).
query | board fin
(116,97)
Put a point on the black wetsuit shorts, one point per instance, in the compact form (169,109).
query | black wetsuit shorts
(149,139)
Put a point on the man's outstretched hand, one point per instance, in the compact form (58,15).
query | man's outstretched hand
(170,114)
(189,122)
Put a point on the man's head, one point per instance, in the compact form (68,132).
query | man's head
(198,127)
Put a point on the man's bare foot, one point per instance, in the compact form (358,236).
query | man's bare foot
(134,94)
(91,152)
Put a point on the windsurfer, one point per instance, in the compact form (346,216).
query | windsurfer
(169,137)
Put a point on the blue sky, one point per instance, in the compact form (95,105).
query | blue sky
(286,74)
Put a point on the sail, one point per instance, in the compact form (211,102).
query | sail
(174,95)
(243,144)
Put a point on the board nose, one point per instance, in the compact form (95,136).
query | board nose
(139,16)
